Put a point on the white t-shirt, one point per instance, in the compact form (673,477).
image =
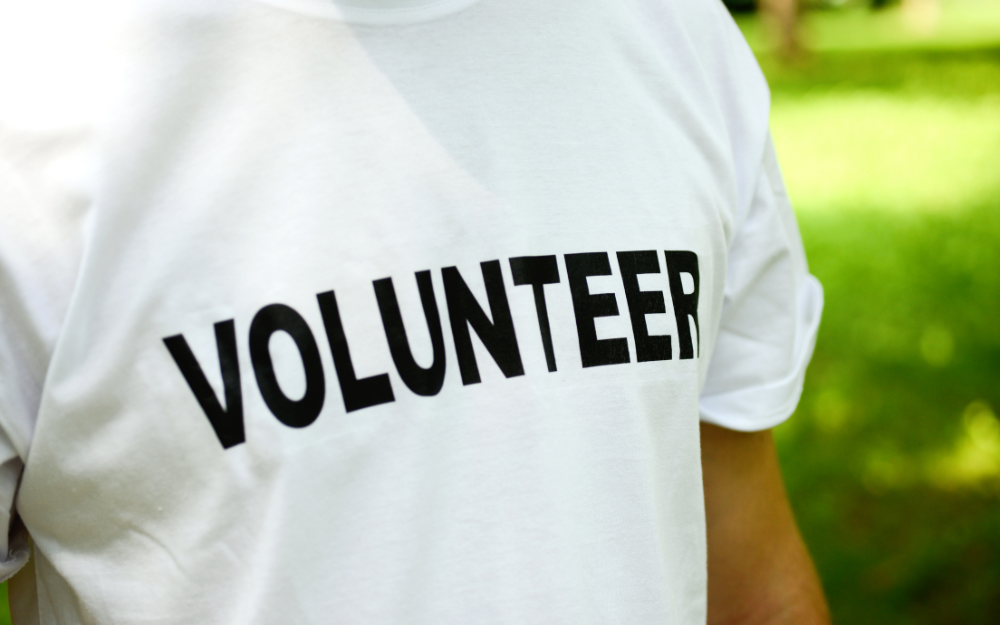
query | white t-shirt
(396,312)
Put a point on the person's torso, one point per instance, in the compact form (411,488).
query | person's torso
(306,374)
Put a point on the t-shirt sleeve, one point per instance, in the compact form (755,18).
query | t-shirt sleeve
(13,540)
(41,211)
(770,314)
(20,378)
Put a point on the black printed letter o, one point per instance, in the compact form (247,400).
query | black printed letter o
(275,318)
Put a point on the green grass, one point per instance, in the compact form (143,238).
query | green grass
(4,611)
(869,150)
(890,131)
(890,144)
(955,25)
(894,456)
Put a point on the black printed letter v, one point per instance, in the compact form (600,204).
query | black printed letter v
(227,422)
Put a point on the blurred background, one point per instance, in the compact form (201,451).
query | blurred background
(886,115)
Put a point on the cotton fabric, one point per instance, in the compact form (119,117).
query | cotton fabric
(200,169)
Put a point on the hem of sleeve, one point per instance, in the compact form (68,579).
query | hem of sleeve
(763,407)
(17,555)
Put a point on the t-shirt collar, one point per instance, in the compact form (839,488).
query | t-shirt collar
(375,12)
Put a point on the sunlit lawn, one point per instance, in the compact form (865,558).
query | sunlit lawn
(890,144)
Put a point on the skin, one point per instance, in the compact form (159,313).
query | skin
(759,570)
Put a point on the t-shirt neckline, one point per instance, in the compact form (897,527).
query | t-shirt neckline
(375,12)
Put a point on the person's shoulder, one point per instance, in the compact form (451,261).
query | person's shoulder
(708,31)
(718,57)
(706,17)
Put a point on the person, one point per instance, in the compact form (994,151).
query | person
(395,311)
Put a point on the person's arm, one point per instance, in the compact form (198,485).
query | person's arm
(759,571)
